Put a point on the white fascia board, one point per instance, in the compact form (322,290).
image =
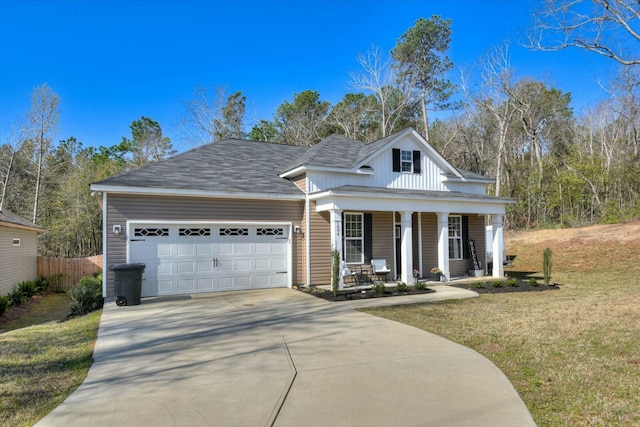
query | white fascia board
(351,171)
(21,226)
(359,204)
(402,202)
(194,193)
(470,180)
(293,172)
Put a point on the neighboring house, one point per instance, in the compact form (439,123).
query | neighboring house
(242,215)
(18,250)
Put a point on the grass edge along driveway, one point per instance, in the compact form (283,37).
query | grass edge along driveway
(42,365)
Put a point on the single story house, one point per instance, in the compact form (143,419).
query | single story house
(18,250)
(239,214)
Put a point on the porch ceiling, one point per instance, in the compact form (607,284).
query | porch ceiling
(360,198)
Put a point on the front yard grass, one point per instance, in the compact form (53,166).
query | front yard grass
(43,359)
(573,354)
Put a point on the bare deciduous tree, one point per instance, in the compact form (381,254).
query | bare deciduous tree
(610,28)
(41,126)
(8,152)
(379,79)
(212,116)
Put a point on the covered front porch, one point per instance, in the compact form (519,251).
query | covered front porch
(414,231)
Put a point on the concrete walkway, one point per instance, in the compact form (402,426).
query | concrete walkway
(280,357)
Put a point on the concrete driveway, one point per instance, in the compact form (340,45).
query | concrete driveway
(283,358)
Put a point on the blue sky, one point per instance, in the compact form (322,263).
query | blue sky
(114,61)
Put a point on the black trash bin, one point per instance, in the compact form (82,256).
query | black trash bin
(128,283)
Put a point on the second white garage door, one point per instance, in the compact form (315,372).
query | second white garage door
(191,258)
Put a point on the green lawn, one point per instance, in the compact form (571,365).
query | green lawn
(43,359)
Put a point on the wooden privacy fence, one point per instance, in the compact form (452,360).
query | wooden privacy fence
(71,269)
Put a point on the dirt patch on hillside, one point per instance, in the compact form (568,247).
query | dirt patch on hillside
(608,232)
(585,249)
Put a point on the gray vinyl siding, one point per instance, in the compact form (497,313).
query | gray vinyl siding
(461,267)
(121,208)
(301,182)
(17,263)
(320,246)
(383,239)
(429,242)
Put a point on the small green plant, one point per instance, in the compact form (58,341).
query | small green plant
(477,285)
(4,305)
(16,297)
(335,271)
(420,286)
(28,288)
(401,287)
(533,281)
(546,265)
(497,283)
(86,296)
(56,283)
(42,284)
(379,288)
(512,282)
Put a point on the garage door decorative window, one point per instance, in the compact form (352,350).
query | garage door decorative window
(270,231)
(144,232)
(234,231)
(194,232)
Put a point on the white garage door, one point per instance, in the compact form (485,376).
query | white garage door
(191,258)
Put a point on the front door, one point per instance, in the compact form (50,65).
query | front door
(398,251)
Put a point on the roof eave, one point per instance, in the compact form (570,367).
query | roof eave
(181,192)
(402,195)
(22,227)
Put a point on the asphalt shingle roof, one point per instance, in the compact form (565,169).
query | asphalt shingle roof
(227,165)
(234,165)
(10,217)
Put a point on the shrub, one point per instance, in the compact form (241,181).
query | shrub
(55,283)
(86,296)
(379,288)
(42,284)
(27,288)
(401,287)
(420,286)
(513,282)
(335,271)
(4,305)
(16,297)
(497,283)
(533,281)
(546,265)
(477,285)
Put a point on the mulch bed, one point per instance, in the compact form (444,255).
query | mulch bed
(488,287)
(357,294)
(481,287)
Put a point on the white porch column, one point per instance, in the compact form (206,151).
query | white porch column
(443,244)
(498,244)
(406,247)
(335,216)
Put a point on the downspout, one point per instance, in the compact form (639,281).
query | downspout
(420,243)
(104,244)
(307,234)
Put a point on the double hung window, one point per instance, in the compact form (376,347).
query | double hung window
(354,238)
(455,237)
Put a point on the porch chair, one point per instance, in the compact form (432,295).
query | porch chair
(379,268)
(349,278)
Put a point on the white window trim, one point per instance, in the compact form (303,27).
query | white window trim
(403,161)
(16,241)
(459,238)
(361,238)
